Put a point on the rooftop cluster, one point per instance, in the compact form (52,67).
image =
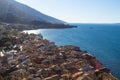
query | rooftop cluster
(30,57)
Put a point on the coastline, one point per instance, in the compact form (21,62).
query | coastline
(21,27)
(57,62)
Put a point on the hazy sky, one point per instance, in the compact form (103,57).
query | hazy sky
(79,11)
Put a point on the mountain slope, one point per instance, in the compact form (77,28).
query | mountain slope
(13,11)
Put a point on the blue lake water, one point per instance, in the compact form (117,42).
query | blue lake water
(100,40)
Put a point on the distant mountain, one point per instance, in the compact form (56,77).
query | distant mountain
(14,12)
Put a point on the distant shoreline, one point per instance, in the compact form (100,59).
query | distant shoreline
(21,27)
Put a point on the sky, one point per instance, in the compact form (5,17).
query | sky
(79,11)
